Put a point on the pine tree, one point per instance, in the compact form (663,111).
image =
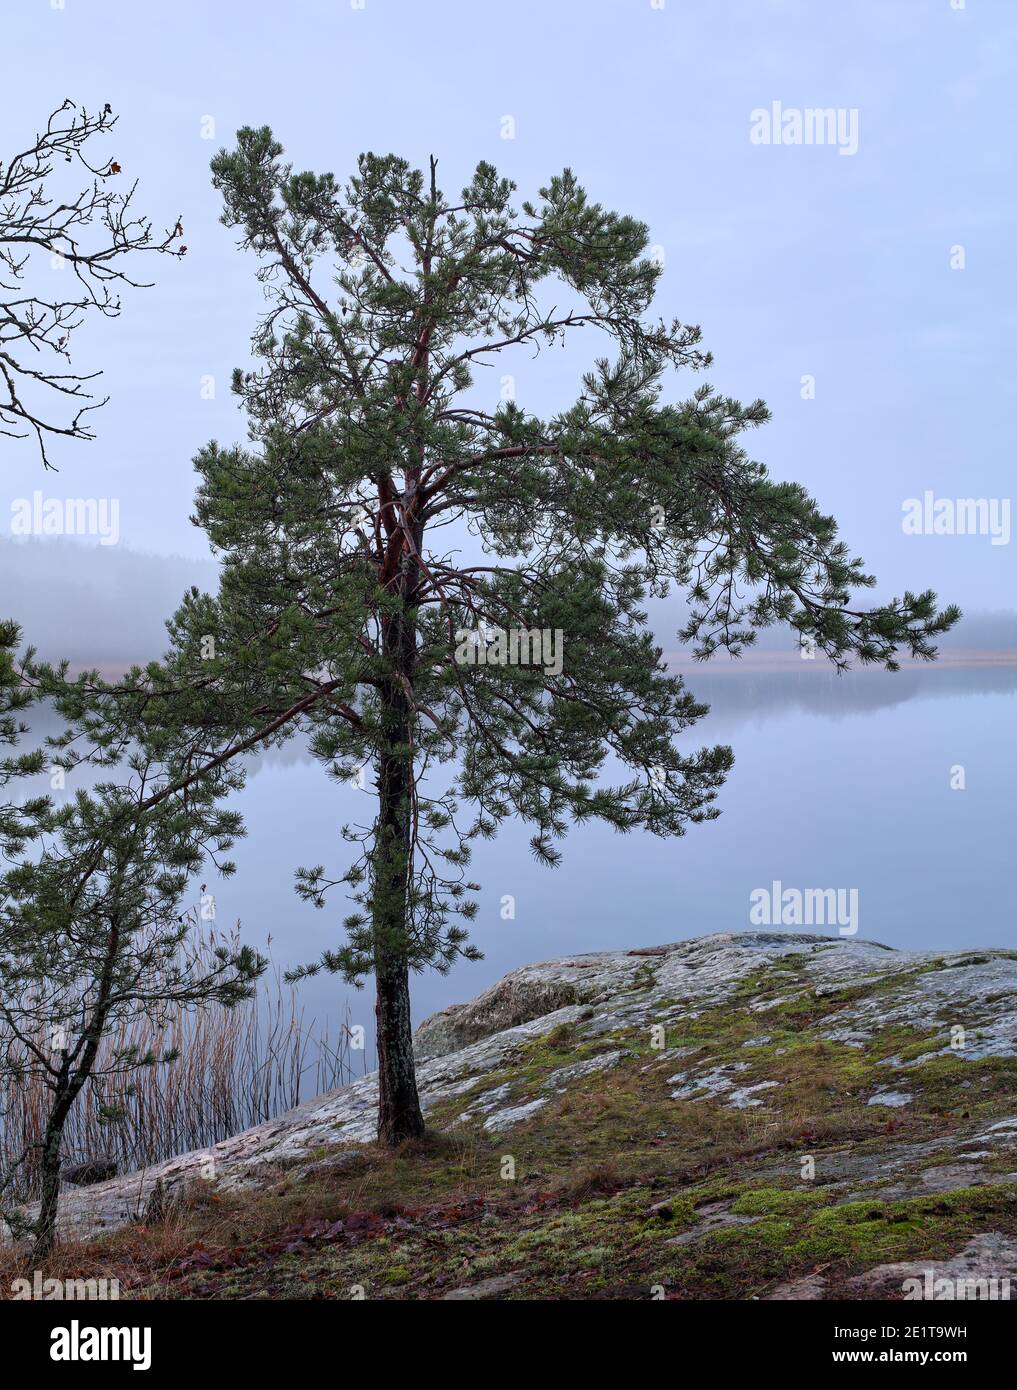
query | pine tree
(92,930)
(451,593)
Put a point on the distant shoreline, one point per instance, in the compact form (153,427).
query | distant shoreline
(757,661)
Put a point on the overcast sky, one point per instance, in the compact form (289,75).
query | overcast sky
(798,261)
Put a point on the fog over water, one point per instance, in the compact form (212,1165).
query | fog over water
(839,782)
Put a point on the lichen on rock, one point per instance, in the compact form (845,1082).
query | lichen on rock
(794,1101)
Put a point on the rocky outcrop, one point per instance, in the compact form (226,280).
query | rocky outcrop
(518,998)
(93,1170)
(890,1070)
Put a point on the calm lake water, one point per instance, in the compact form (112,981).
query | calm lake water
(839,782)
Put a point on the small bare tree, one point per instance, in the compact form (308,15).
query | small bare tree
(93,236)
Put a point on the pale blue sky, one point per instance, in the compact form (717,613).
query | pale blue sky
(794,260)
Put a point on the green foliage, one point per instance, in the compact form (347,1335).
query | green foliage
(92,922)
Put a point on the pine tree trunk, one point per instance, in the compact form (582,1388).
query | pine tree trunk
(68,1083)
(399,1115)
(45,1226)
